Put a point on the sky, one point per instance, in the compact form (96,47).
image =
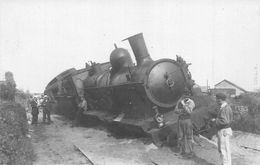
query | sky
(41,38)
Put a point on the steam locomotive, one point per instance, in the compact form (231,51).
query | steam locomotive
(122,92)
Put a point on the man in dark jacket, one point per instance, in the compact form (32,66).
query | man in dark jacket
(35,111)
(223,124)
(46,104)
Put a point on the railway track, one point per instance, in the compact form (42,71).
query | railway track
(81,151)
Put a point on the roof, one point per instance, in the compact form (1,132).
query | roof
(231,84)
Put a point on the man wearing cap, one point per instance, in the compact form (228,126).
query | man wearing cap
(185,128)
(35,111)
(46,109)
(158,118)
(159,123)
(223,124)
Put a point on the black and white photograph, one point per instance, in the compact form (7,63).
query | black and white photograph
(129,82)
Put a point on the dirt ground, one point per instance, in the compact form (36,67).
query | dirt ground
(58,143)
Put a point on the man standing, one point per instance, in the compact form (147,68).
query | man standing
(185,128)
(158,124)
(46,109)
(35,111)
(158,118)
(82,106)
(223,124)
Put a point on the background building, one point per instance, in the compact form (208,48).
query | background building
(228,88)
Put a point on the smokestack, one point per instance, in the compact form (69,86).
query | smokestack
(139,48)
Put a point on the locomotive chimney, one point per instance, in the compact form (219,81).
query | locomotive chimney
(139,48)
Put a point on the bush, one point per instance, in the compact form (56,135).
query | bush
(7,92)
(8,88)
(22,98)
(248,120)
(15,147)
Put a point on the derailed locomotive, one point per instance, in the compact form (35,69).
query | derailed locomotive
(123,93)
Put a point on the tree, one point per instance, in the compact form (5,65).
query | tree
(9,79)
(8,89)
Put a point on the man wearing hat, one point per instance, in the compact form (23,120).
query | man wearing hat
(46,109)
(185,128)
(223,124)
(35,111)
(159,123)
(158,118)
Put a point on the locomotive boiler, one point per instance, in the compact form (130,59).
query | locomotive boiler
(123,92)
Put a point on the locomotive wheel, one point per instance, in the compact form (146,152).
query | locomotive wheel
(164,136)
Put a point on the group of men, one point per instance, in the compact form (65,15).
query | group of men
(185,128)
(45,104)
(222,122)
